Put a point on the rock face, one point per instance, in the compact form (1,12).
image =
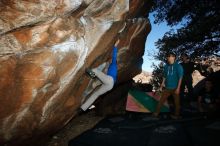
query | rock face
(45,46)
(144,77)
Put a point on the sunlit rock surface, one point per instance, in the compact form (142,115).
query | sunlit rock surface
(45,46)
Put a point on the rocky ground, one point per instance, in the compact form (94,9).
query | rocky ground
(75,127)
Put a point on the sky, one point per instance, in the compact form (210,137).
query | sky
(157,32)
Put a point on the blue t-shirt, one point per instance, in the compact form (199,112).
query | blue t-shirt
(113,68)
(172,74)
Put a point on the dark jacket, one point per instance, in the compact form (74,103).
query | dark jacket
(188,69)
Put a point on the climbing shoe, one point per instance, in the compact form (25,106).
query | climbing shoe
(175,117)
(79,111)
(90,73)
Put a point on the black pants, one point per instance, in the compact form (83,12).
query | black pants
(187,82)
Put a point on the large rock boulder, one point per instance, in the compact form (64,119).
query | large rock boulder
(45,48)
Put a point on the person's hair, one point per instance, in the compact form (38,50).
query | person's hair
(171,54)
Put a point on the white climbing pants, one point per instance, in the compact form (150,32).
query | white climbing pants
(107,84)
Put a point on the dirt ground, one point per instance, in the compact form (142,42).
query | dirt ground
(75,127)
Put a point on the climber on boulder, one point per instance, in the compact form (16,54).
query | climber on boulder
(108,80)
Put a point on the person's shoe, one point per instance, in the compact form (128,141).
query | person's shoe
(174,117)
(90,73)
(79,111)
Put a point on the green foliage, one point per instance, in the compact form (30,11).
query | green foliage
(157,75)
(199,35)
